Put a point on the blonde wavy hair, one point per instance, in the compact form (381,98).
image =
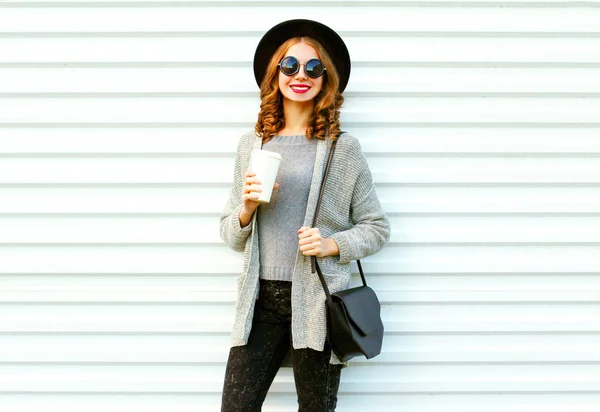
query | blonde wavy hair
(325,119)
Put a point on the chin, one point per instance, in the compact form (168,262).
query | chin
(299,98)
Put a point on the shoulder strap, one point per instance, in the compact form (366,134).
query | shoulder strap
(324,179)
(313,259)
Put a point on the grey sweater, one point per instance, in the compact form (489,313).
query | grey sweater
(350,214)
(279,220)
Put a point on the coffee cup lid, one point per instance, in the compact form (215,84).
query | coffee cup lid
(268,153)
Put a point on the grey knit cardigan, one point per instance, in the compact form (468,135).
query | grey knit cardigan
(350,213)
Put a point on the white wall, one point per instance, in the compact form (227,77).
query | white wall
(118,127)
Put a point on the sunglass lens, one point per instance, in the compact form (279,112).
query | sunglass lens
(314,68)
(289,65)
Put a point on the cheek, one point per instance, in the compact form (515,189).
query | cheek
(318,85)
(282,80)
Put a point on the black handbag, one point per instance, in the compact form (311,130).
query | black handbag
(354,325)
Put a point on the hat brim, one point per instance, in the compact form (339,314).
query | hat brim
(329,39)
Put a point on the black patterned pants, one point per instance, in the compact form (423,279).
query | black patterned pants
(251,368)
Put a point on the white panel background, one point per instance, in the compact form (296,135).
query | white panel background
(118,127)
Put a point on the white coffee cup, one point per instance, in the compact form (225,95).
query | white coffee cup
(266,165)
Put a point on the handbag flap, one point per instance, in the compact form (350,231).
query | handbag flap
(363,308)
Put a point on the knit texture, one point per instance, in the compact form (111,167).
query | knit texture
(350,214)
(279,220)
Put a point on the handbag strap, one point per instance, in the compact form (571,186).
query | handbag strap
(313,259)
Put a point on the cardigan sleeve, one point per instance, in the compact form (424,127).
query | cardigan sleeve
(231,232)
(371,230)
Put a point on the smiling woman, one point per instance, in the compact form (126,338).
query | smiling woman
(295,84)
(299,95)
(302,68)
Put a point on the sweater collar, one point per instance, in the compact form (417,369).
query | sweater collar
(323,147)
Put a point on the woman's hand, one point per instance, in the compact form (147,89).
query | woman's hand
(251,191)
(312,244)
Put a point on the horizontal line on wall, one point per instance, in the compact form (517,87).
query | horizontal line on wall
(250,125)
(399,394)
(354,273)
(288,3)
(117,333)
(362,363)
(237,95)
(216,215)
(227,334)
(248,64)
(258,34)
(229,303)
(368,154)
(222,244)
(132,125)
(228,185)
(434,64)
(106,215)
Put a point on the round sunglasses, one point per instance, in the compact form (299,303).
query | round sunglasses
(290,65)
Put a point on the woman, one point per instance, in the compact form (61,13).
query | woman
(302,67)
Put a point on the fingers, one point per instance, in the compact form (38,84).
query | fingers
(310,239)
(313,249)
(306,231)
(252,187)
(250,196)
(251,190)
(309,244)
(250,180)
(251,184)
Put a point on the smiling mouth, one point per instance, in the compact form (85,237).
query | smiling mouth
(300,89)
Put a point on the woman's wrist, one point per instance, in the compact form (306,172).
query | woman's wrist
(331,247)
(244,217)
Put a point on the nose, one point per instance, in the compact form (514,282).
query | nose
(301,72)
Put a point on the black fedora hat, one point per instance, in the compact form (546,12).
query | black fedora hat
(277,35)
